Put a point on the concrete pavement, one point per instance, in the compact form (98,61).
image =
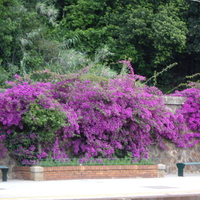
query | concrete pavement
(170,187)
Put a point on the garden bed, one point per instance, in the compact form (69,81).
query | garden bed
(38,173)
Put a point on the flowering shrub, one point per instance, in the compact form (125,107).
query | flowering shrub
(190,110)
(29,119)
(119,118)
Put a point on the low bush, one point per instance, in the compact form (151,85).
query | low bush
(49,162)
(119,117)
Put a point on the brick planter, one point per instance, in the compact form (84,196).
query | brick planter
(89,172)
(23,173)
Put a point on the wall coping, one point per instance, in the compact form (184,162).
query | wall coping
(2,90)
(173,100)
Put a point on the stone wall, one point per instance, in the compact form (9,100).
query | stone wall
(8,161)
(173,103)
(167,157)
(173,155)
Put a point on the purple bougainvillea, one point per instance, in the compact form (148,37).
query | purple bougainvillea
(110,119)
(190,112)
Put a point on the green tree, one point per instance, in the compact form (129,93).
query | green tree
(8,27)
(151,33)
(168,33)
(25,43)
(191,56)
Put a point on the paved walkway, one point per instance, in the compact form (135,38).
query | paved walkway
(139,188)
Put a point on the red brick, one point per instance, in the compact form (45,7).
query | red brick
(84,172)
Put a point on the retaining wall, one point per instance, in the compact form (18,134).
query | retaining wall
(173,155)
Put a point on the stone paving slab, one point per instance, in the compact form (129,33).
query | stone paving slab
(170,187)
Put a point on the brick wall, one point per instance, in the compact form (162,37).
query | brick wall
(22,173)
(90,172)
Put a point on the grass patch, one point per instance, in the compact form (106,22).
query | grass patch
(92,161)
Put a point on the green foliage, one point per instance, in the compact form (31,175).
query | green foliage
(84,14)
(150,33)
(156,74)
(195,78)
(168,32)
(192,81)
(23,37)
(48,11)
(68,61)
(8,27)
(49,162)
(14,141)
(45,122)
(3,77)
(72,61)
(94,78)
(36,35)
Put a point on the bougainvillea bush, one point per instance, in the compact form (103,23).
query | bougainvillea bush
(191,108)
(115,118)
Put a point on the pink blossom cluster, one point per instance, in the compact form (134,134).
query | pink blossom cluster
(103,120)
(190,109)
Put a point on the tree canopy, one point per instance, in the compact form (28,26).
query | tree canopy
(151,34)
